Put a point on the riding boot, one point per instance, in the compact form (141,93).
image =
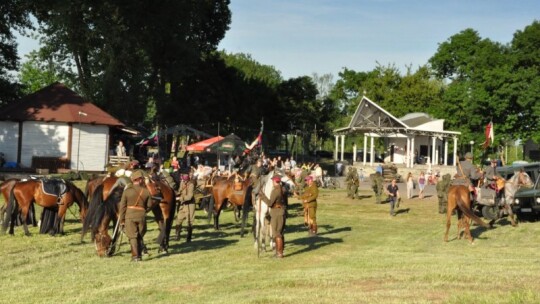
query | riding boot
(279,247)
(135,257)
(178,228)
(189,232)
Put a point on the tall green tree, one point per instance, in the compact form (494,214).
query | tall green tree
(14,17)
(475,69)
(37,72)
(524,90)
(127,53)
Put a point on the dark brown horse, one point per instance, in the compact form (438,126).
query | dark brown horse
(459,199)
(225,190)
(24,193)
(104,209)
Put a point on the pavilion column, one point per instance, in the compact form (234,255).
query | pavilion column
(455,151)
(354,152)
(365,149)
(445,157)
(408,153)
(336,148)
(412,152)
(371,150)
(433,148)
(342,146)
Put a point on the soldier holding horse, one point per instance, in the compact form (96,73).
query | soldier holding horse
(276,202)
(186,207)
(133,204)
(459,198)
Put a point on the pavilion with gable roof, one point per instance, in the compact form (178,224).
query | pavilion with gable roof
(408,137)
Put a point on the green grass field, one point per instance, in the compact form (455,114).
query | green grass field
(361,255)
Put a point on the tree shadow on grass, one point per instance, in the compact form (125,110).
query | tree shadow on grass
(322,239)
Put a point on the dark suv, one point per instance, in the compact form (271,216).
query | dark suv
(526,200)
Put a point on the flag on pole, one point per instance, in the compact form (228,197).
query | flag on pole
(257,141)
(489,135)
(150,140)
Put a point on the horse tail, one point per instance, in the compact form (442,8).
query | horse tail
(211,203)
(465,209)
(11,210)
(94,213)
(245,211)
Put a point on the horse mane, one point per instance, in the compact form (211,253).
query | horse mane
(98,209)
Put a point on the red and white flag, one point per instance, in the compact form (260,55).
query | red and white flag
(489,135)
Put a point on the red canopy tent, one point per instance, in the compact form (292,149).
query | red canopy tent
(201,145)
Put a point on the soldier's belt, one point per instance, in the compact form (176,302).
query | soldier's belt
(136,208)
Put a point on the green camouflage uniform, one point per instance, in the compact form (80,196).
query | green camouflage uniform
(377,183)
(442,192)
(352,182)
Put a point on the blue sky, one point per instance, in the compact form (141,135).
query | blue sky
(302,37)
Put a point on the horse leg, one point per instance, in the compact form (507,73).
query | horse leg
(510,215)
(467,226)
(59,221)
(24,218)
(448,222)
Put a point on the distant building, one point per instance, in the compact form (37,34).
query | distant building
(56,127)
(413,138)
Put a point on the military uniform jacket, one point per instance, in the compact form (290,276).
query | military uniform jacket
(491,172)
(276,198)
(468,170)
(253,173)
(310,194)
(134,202)
(186,191)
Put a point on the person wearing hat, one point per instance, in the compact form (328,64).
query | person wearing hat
(309,201)
(133,204)
(466,170)
(491,172)
(277,213)
(186,206)
(254,172)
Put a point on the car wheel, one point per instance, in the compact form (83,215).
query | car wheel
(490,212)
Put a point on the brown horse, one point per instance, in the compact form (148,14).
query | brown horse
(459,199)
(104,209)
(226,190)
(24,193)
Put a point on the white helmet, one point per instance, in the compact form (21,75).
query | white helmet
(120,172)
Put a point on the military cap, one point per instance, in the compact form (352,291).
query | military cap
(136,175)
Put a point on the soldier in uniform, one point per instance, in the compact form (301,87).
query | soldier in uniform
(491,172)
(254,173)
(393,193)
(352,182)
(277,214)
(133,204)
(377,183)
(309,202)
(442,192)
(186,206)
(467,171)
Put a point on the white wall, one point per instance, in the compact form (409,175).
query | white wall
(9,140)
(94,146)
(43,139)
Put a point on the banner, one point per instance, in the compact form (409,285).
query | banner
(489,135)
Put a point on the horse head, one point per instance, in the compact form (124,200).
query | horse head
(103,242)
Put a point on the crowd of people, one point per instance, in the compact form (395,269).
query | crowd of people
(189,177)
